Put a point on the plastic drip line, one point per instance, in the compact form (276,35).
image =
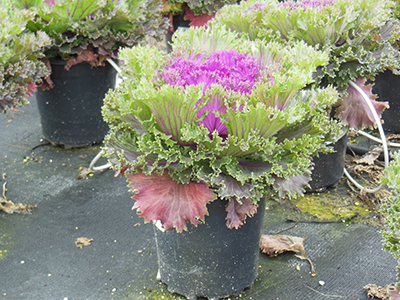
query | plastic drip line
(371,137)
(383,140)
(115,66)
(97,157)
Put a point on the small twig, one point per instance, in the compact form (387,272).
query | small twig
(325,295)
(4,187)
(335,221)
(37,146)
(324,221)
(20,147)
(84,157)
(282,230)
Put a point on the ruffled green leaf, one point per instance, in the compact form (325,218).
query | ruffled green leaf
(20,67)
(357,36)
(83,29)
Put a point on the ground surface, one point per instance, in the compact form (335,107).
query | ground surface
(39,258)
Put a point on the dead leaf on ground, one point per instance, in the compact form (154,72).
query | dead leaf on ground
(82,241)
(370,157)
(375,291)
(9,207)
(274,245)
(83,173)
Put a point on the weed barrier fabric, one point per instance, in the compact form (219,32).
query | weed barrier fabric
(39,259)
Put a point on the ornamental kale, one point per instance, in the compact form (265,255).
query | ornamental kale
(356,34)
(20,68)
(391,210)
(187,135)
(93,30)
(199,12)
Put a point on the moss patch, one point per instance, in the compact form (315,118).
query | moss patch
(330,205)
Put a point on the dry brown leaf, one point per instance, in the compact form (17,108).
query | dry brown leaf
(82,241)
(83,173)
(370,157)
(9,207)
(375,291)
(274,245)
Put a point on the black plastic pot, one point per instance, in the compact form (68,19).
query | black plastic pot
(387,87)
(211,260)
(329,168)
(70,113)
(179,23)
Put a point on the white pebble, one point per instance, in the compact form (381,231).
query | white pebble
(321,282)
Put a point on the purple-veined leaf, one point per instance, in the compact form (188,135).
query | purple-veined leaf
(237,213)
(265,122)
(87,55)
(229,187)
(211,121)
(291,185)
(172,109)
(71,9)
(159,197)
(247,170)
(354,111)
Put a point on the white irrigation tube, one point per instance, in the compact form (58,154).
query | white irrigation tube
(381,132)
(371,137)
(97,157)
(114,65)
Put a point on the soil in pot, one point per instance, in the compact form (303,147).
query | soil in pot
(211,260)
(70,113)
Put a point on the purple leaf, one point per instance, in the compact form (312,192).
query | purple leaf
(235,71)
(291,185)
(354,111)
(159,197)
(211,121)
(237,213)
(230,187)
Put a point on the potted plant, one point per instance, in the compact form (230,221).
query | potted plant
(203,135)
(182,14)
(84,35)
(386,83)
(20,67)
(355,34)
(390,210)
